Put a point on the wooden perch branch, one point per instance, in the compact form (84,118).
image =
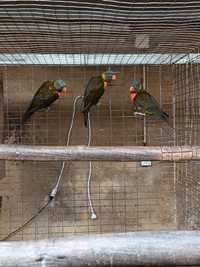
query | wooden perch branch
(84,153)
(173,248)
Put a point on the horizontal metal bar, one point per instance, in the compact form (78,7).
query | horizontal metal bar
(97,59)
(84,153)
(121,249)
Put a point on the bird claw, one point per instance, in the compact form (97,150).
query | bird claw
(136,113)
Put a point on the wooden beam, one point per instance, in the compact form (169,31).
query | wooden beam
(175,248)
(84,153)
(2,162)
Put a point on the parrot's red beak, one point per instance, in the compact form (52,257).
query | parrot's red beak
(133,94)
(114,77)
(63,93)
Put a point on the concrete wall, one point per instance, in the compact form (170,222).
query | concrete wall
(125,196)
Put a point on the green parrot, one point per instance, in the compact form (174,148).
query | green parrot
(48,92)
(94,90)
(145,102)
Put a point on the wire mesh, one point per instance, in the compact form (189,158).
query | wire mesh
(119,32)
(125,196)
(187,132)
(98,26)
(82,38)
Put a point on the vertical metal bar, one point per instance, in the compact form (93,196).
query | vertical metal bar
(160,87)
(110,111)
(186,141)
(2,162)
(174,77)
(144,120)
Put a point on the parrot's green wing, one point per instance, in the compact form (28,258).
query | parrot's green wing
(150,106)
(93,92)
(150,103)
(44,96)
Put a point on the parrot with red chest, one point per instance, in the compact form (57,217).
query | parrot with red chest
(48,93)
(94,90)
(145,102)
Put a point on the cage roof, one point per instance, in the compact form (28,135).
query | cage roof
(99,27)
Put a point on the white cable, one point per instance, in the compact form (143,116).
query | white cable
(55,189)
(93,214)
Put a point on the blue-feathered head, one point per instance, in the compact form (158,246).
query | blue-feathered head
(135,86)
(109,76)
(59,85)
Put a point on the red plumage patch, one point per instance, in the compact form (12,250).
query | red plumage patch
(133,95)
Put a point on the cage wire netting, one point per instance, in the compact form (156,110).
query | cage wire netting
(156,42)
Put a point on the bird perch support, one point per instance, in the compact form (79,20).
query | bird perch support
(84,153)
(174,248)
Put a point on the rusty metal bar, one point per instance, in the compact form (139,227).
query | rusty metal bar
(2,162)
(84,153)
(175,248)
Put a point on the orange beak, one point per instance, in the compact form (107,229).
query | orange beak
(63,93)
(114,77)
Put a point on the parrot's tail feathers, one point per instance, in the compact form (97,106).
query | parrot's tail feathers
(82,105)
(85,114)
(85,108)
(26,116)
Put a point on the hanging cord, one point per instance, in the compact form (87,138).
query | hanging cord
(54,191)
(92,211)
(28,221)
